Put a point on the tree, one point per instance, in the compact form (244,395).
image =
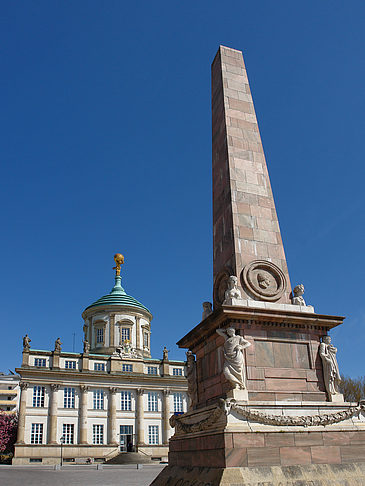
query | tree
(353,389)
(8,431)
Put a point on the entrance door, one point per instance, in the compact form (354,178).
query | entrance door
(126,438)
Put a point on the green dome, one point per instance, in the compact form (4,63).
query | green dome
(118,296)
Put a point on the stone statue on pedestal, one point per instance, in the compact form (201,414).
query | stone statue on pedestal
(57,345)
(86,347)
(331,373)
(232,295)
(297,298)
(26,343)
(191,376)
(165,354)
(207,310)
(234,364)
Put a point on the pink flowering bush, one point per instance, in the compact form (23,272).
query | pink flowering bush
(8,431)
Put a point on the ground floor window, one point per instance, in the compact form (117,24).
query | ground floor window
(68,433)
(36,436)
(153,434)
(98,434)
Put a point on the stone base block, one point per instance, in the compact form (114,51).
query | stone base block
(352,474)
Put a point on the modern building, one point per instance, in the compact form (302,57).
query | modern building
(9,392)
(111,398)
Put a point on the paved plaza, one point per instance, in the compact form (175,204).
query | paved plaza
(79,475)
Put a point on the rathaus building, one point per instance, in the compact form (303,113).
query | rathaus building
(111,398)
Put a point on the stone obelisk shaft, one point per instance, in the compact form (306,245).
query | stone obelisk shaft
(245,224)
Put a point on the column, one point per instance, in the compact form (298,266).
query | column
(165,416)
(83,415)
(22,410)
(138,333)
(53,408)
(112,330)
(139,417)
(112,417)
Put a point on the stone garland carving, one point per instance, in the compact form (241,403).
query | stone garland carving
(176,421)
(305,420)
(226,406)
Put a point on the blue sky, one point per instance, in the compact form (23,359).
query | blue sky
(106,146)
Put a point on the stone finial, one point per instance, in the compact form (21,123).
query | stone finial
(26,343)
(57,345)
(165,354)
(232,295)
(297,295)
(331,373)
(207,310)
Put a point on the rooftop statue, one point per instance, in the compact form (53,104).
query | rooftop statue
(26,343)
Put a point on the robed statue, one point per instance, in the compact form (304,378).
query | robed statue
(331,372)
(234,364)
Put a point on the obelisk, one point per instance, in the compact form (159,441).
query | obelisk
(265,405)
(245,224)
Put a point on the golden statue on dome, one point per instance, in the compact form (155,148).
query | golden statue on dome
(119,260)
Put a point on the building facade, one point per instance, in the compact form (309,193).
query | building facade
(111,398)
(9,392)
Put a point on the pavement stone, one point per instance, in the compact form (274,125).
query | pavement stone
(79,475)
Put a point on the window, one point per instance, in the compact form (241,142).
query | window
(100,335)
(38,397)
(99,366)
(98,434)
(177,371)
(178,402)
(36,436)
(68,433)
(40,362)
(126,400)
(145,339)
(126,430)
(152,402)
(69,397)
(98,401)
(127,367)
(152,370)
(70,365)
(153,434)
(125,334)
